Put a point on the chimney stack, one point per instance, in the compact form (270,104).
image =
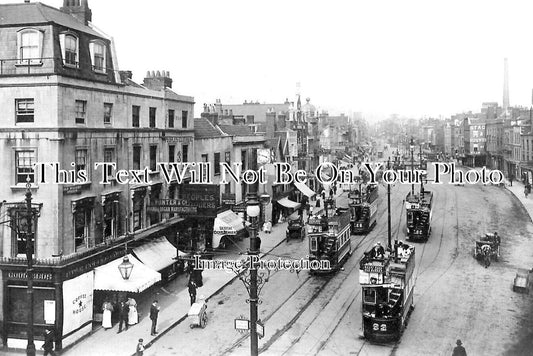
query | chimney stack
(77,8)
(157,80)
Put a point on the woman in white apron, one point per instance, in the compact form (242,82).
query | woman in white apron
(133,316)
(107,308)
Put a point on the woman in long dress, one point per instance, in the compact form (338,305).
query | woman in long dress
(106,319)
(133,316)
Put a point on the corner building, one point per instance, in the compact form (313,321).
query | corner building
(64,100)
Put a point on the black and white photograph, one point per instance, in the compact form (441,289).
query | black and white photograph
(277,178)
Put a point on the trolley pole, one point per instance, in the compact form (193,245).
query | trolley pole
(30,348)
(388,209)
(412,148)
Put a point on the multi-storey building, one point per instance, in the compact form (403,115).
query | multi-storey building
(66,107)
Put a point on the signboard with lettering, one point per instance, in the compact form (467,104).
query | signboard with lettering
(72,189)
(77,302)
(369,268)
(228,199)
(199,200)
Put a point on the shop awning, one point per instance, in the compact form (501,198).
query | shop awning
(227,223)
(156,254)
(286,202)
(302,187)
(107,277)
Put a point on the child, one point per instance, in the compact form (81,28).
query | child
(140,348)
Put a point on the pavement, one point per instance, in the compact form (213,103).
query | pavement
(518,190)
(174,301)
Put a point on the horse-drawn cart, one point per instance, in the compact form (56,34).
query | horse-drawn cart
(488,248)
(295,227)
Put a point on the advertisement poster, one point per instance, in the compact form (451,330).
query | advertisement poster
(77,302)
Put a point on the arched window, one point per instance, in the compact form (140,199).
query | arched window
(98,56)
(69,49)
(30,44)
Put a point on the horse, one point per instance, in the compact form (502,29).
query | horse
(486,251)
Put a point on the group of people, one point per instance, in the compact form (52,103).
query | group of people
(127,314)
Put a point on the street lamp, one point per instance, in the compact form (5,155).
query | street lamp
(30,348)
(125,268)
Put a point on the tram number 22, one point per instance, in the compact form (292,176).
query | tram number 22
(377,327)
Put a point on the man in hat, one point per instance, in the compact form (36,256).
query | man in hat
(459,350)
(48,345)
(154,312)
(378,251)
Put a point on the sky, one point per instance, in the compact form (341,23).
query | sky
(412,58)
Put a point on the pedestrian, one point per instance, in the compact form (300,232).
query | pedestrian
(48,345)
(140,348)
(154,311)
(192,291)
(107,309)
(525,191)
(511,179)
(133,316)
(123,310)
(459,350)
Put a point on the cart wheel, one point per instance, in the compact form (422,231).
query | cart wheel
(203,321)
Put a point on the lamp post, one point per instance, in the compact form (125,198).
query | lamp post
(412,149)
(126,267)
(253,210)
(30,348)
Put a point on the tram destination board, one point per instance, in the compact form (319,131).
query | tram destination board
(370,268)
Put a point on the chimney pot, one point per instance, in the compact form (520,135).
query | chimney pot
(158,74)
(147,74)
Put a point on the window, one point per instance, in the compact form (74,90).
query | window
(24,160)
(82,223)
(69,49)
(18,218)
(29,46)
(152,117)
(171,153)
(170,118)
(249,119)
(24,110)
(108,113)
(369,295)
(205,158)
(217,163)
(184,116)
(153,158)
(98,56)
(185,153)
(81,111)
(109,157)
(81,162)
(135,115)
(137,157)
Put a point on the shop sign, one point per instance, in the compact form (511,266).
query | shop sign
(37,276)
(49,311)
(196,200)
(72,189)
(241,208)
(184,139)
(228,199)
(77,302)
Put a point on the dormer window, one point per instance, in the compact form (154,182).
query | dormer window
(30,46)
(98,58)
(69,49)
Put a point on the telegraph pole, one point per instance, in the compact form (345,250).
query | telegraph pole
(253,212)
(412,148)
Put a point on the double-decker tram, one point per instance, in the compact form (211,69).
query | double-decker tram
(418,209)
(387,282)
(329,238)
(363,208)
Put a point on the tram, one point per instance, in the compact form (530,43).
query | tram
(363,208)
(329,238)
(387,283)
(418,208)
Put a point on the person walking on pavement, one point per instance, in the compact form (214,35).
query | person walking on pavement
(48,345)
(192,291)
(140,348)
(133,316)
(154,311)
(459,350)
(123,310)
(107,309)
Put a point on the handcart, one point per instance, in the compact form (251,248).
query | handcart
(198,314)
